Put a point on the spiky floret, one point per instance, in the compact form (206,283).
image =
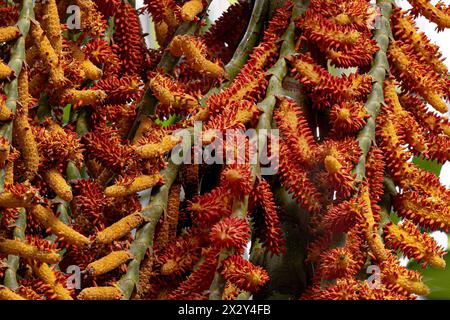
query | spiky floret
(416,76)
(348,117)
(128,186)
(166,11)
(128,39)
(208,208)
(404,29)
(325,87)
(295,179)
(100,52)
(179,256)
(400,279)
(361,54)
(339,157)
(200,279)
(119,229)
(171,95)
(271,234)
(195,52)
(375,166)
(121,90)
(428,212)
(230,232)
(88,69)
(336,263)
(49,221)
(345,215)
(352,289)
(106,146)
(92,22)
(248,86)
(414,244)
(236,179)
(414,134)
(296,132)
(243,274)
(439,13)
(235,116)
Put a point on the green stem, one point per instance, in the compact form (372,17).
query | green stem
(16,62)
(380,67)
(144,237)
(13,261)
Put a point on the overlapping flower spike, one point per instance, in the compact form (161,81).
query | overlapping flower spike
(101,53)
(439,13)
(195,53)
(344,36)
(296,180)
(345,215)
(414,244)
(271,234)
(243,274)
(324,87)
(248,86)
(296,132)
(336,263)
(352,289)
(167,12)
(129,42)
(404,29)
(92,22)
(413,132)
(199,280)
(171,95)
(416,76)
(428,212)
(400,279)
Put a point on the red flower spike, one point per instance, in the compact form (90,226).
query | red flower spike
(237,180)
(207,209)
(348,117)
(414,244)
(230,232)
(244,274)
(121,90)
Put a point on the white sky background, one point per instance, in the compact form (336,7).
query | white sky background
(442,39)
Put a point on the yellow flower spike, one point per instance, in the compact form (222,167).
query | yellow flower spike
(437,14)
(10,200)
(48,56)
(91,71)
(138,184)
(414,74)
(162,33)
(51,24)
(5,147)
(119,229)
(144,126)
(5,70)
(9,33)
(29,251)
(8,294)
(195,53)
(108,263)
(332,165)
(46,274)
(100,293)
(22,130)
(58,184)
(5,113)
(47,219)
(374,240)
(414,244)
(79,98)
(153,150)
(191,9)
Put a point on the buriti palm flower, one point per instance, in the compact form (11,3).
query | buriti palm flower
(91,120)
